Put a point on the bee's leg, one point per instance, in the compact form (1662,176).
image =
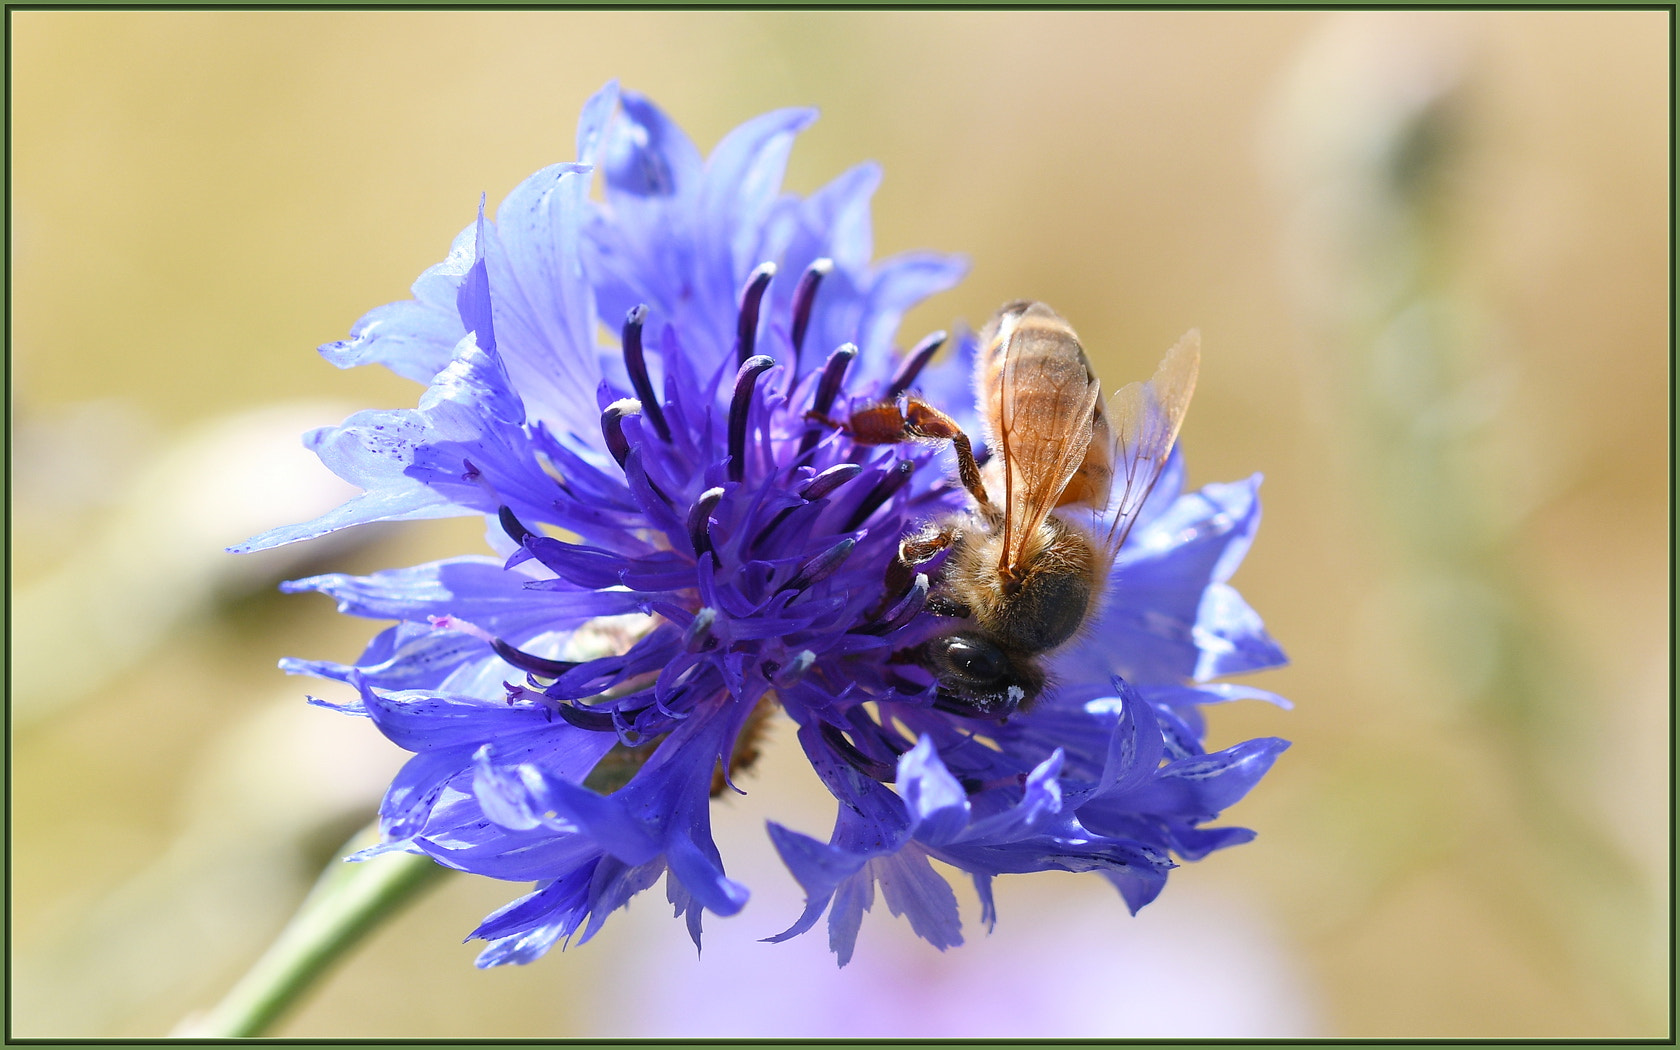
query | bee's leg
(913,551)
(877,425)
(887,424)
(924,546)
(923,420)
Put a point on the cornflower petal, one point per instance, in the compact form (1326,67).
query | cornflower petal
(1166,571)
(937,803)
(914,890)
(544,310)
(1202,786)
(413,338)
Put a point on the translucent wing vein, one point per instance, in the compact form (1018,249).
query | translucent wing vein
(1144,418)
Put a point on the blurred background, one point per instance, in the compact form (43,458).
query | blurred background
(1428,253)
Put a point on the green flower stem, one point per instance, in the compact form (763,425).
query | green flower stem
(347,901)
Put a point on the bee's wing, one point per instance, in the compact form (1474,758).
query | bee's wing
(1144,419)
(1048,407)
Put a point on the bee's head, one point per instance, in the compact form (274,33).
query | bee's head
(978,678)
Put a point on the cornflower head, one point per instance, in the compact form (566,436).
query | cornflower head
(684,545)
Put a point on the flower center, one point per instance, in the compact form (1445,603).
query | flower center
(763,559)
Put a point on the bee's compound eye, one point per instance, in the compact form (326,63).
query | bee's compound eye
(982,661)
(969,660)
(978,678)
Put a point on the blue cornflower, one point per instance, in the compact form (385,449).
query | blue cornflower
(684,545)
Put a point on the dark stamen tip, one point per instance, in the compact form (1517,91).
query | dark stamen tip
(583,718)
(515,529)
(912,603)
(795,669)
(612,427)
(699,636)
(699,520)
(903,610)
(822,566)
(746,380)
(746,321)
(804,297)
(537,665)
(834,370)
(914,362)
(635,363)
(881,493)
(829,480)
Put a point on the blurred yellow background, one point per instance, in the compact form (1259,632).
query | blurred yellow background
(1428,252)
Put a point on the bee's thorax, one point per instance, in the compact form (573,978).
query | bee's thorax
(1037,603)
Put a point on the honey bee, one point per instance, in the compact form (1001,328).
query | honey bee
(1026,572)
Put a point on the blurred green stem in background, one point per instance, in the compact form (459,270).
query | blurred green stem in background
(1555,877)
(347,902)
